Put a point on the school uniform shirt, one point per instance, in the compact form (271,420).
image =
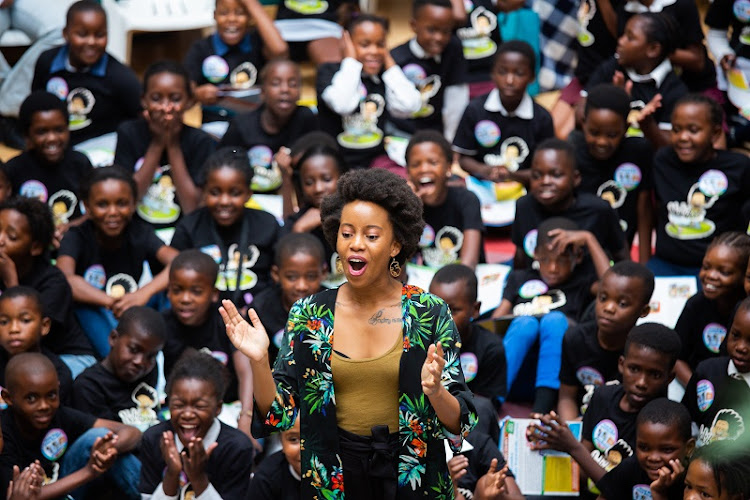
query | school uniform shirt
(589,212)
(524,286)
(584,363)
(317,232)
(246,131)
(718,398)
(697,202)
(608,427)
(353,107)
(272,315)
(275,479)
(49,446)
(723,14)
(160,206)
(662,80)
(209,337)
(257,232)
(99,392)
(430,75)
(629,481)
(443,234)
(304,390)
(480,37)
(595,42)
(619,180)
(228,467)
(116,271)
(99,98)
(702,330)
(63,375)
(56,185)
(494,136)
(483,363)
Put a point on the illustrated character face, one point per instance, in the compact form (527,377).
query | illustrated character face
(609,197)
(59,208)
(698,199)
(117,291)
(720,429)
(77,105)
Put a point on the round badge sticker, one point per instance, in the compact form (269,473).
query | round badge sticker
(589,376)
(215,69)
(54,444)
(260,156)
(713,336)
(713,183)
(415,73)
(469,365)
(705,394)
(604,435)
(278,337)
(220,356)
(469,6)
(642,492)
(95,276)
(428,237)
(34,189)
(628,175)
(532,288)
(487,133)
(529,242)
(741,9)
(58,87)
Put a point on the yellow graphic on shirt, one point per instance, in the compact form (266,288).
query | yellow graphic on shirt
(307,7)
(227,279)
(80,103)
(63,204)
(475,40)
(586,13)
(513,152)
(143,415)
(158,205)
(361,129)
(441,248)
(727,425)
(243,76)
(687,219)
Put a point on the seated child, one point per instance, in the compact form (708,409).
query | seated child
(277,123)
(165,155)
(99,91)
(590,351)
(553,192)
(718,470)
(702,326)
(453,230)
(278,475)
(49,169)
(718,395)
(500,131)
(357,96)
(479,33)
(482,354)
(73,448)
(194,453)
(193,324)
(699,190)
(103,257)
(615,167)
(23,324)
(482,473)
(609,424)
(122,386)
(298,269)
(26,232)
(233,55)
(663,443)
(239,239)
(433,61)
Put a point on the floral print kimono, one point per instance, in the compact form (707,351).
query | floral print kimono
(304,388)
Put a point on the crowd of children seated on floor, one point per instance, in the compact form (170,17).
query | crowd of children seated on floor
(104,270)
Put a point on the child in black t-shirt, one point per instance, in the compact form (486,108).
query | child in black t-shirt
(165,155)
(103,257)
(590,351)
(453,230)
(702,326)
(231,58)
(98,90)
(239,239)
(23,324)
(482,354)
(554,179)
(609,424)
(73,448)
(298,269)
(718,470)
(615,167)
(194,452)
(700,191)
(122,386)
(482,472)
(278,476)
(434,62)
(499,132)
(26,232)
(480,38)
(718,394)
(278,123)
(49,169)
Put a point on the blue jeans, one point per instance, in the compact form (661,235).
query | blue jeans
(77,362)
(97,323)
(522,333)
(125,472)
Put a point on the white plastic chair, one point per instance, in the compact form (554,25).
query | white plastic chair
(128,16)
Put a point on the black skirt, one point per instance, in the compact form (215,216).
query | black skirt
(369,464)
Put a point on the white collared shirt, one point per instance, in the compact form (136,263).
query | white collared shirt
(419,52)
(734,373)
(658,74)
(525,109)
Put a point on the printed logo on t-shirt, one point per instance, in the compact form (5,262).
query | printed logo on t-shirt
(585,14)
(487,133)
(62,204)
(468,5)
(95,276)
(58,86)
(54,444)
(215,69)
(143,415)
(266,173)
(227,280)
(613,456)
(529,242)
(687,219)
(212,251)
(428,87)
(727,425)
(532,288)
(628,175)
(705,394)
(158,205)
(361,128)
(469,365)
(475,40)
(244,76)
(604,435)
(587,375)
(513,152)
(741,10)
(713,336)
(120,284)
(307,7)
(444,248)
(80,103)
(34,189)
(219,356)
(642,492)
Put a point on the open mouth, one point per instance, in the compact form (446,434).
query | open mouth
(357,266)
(189,431)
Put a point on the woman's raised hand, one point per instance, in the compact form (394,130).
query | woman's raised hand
(252,341)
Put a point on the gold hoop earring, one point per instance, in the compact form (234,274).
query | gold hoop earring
(395,268)
(339,266)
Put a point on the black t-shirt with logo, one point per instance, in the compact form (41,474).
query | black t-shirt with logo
(206,64)
(723,14)
(702,330)
(608,427)
(483,363)
(480,38)
(570,298)
(629,481)
(595,43)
